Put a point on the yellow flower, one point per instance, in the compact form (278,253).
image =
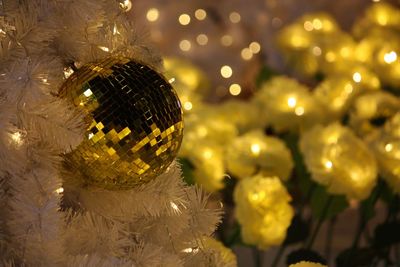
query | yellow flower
(255,152)
(336,93)
(386,146)
(369,107)
(186,76)
(225,256)
(209,169)
(377,15)
(263,210)
(203,127)
(339,160)
(243,114)
(307,264)
(288,105)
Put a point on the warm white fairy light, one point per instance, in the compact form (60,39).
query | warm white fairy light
(276,22)
(188,105)
(234,17)
(255,47)
(200,14)
(317,24)
(202,39)
(115,30)
(227,40)
(357,77)
(316,51)
(104,48)
(185,45)
(172,80)
(235,89)
(299,111)
(246,53)
(226,71)
(90,136)
(16,138)
(60,190)
(308,26)
(390,57)
(207,154)
(388,147)
(348,88)
(190,250)
(255,149)
(152,14)
(292,102)
(184,19)
(328,164)
(174,206)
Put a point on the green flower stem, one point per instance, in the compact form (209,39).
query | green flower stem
(320,221)
(233,237)
(329,238)
(258,257)
(278,255)
(363,222)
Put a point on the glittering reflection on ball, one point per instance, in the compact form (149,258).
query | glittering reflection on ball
(136,125)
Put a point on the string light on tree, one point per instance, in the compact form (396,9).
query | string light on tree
(235,89)
(390,57)
(226,71)
(200,14)
(185,45)
(184,19)
(234,17)
(152,14)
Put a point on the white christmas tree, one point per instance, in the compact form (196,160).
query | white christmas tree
(47,218)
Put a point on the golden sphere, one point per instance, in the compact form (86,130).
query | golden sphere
(136,125)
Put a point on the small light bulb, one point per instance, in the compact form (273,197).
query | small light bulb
(255,47)
(207,154)
(105,49)
(357,77)
(234,17)
(174,206)
(308,26)
(185,45)
(299,111)
(200,14)
(328,164)
(388,147)
(202,39)
(291,102)
(227,40)
(152,14)
(317,51)
(246,53)
(235,89)
(255,149)
(60,190)
(184,19)
(226,71)
(188,105)
(390,57)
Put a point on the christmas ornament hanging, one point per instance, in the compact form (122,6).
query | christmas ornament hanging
(135,118)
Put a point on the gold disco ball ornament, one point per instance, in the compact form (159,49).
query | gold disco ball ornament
(135,123)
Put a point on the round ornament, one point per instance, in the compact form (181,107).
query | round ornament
(135,122)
